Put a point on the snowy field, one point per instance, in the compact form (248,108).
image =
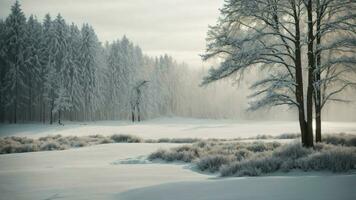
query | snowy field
(95,173)
(85,173)
(105,172)
(171,128)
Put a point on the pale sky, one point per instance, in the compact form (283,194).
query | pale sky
(175,27)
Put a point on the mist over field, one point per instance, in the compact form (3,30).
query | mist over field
(179,99)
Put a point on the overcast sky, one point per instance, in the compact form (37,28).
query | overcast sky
(176,27)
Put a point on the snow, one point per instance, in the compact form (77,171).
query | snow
(172,128)
(96,172)
(329,187)
(120,171)
(85,173)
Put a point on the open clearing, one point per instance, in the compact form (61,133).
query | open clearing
(95,172)
(84,173)
(171,128)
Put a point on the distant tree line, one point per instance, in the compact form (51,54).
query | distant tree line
(52,71)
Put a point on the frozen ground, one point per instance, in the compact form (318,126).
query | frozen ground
(85,173)
(98,172)
(95,173)
(172,128)
(323,187)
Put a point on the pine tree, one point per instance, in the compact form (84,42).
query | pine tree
(14,40)
(33,62)
(62,67)
(3,69)
(74,73)
(88,62)
(47,72)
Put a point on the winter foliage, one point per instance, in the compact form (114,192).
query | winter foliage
(304,48)
(52,70)
(259,158)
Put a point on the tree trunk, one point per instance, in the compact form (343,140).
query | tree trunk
(30,101)
(59,117)
(138,113)
(51,114)
(317,95)
(44,112)
(16,95)
(133,115)
(299,80)
(311,67)
(2,110)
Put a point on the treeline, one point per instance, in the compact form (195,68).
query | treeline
(53,70)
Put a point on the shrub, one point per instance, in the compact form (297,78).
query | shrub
(340,139)
(338,159)
(183,153)
(51,145)
(261,146)
(292,151)
(242,154)
(50,137)
(252,167)
(288,136)
(213,163)
(106,141)
(125,138)
(159,154)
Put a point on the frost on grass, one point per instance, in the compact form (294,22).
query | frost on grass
(340,139)
(15,144)
(136,160)
(125,139)
(57,142)
(210,156)
(258,158)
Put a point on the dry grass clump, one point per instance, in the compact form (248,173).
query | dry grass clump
(258,158)
(16,144)
(340,139)
(210,156)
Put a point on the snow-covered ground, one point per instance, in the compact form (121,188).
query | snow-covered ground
(85,173)
(172,128)
(100,172)
(300,187)
(95,173)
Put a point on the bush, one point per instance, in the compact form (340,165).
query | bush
(338,159)
(292,151)
(183,153)
(340,139)
(288,136)
(50,146)
(242,154)
(252,167)
(261,146)
(213,163)
(125,139)
(254,159)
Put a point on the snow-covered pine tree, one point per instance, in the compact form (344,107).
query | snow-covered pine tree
(33,64)
(62,66)
(3,69)
(73,74)
(127,79)
(88,62)
(113,83)
(47,72)
(14,82)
